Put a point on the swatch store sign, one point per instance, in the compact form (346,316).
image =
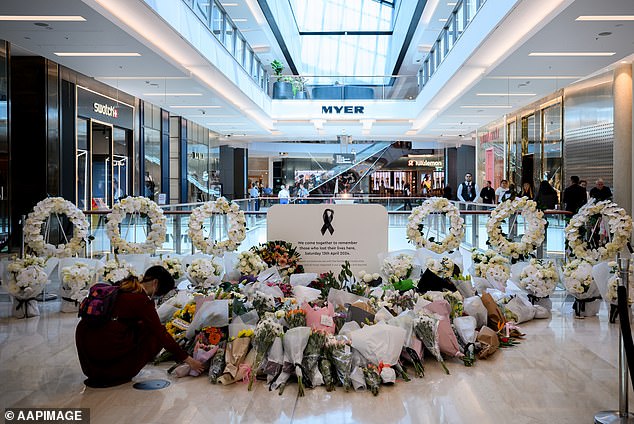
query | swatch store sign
(104,109)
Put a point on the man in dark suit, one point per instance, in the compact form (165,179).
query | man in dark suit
(574,196)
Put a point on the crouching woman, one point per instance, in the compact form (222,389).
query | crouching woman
(113,352)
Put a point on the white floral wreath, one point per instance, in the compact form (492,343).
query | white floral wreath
(619,224)
(136,205)
(535,228)
(236,231)
(41,212)
(456,225)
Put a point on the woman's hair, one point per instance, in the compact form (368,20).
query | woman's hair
(130,285)
(166,282)
(546,188)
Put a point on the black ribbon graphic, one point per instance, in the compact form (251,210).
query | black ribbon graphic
(580,304)
(328,216)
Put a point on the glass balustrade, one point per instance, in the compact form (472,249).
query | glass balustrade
(475,217)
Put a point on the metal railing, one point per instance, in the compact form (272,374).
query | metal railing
(455,25)
(351,87)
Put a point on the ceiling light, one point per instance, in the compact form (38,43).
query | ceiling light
(195,107)
(506,94)
(49,18)
(605,18)
(451,3)
(97,54)
(411,132)
(486,106)
(442,20)
(172,94)
(239,19)
(459,123)
(535,77)
(572,54)
(142,78)
(227,124)
(229,4)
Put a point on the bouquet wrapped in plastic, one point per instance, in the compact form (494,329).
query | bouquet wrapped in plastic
(295,341)
(426,329)
(340,355)
(265,333)
(577,278)
(217,364)
(381,344)
(312,354)
(237,350)
(447,342)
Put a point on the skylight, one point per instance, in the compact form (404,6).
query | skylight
(344,38)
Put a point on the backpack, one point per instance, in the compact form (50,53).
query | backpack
(98,306)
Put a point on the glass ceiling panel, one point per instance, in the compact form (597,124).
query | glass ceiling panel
(327,51)
(342,15)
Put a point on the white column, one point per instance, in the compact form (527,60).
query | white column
(622,89)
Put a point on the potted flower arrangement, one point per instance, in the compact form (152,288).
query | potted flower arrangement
(299,87)
(283,87)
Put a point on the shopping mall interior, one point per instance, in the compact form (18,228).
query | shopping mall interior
(125,124)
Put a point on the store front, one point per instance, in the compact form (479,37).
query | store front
(423,173)
(490,154)
(104,134)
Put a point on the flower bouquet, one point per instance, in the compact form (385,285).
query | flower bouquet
(116,270)
(263,303)
(397,302)
(340,355)
(296,318)
(539,278)
(578,281)
(295,341)
(399,267)
(443,267)
(76,280)
(173,304)
(372,280)
(312,354)
(372,378)
(217,365)
(206,345)
(265,333)
(490,270)
(325,369)
(464,285)
(447,342)
(181,320)
(274,360)
(172,264)
(381,345)
(236,352)
(321,319)
(250,264)
(426,329)
(205,273)
(281,254)
(26,280)
(606,275)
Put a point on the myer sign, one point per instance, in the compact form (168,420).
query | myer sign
(338,110)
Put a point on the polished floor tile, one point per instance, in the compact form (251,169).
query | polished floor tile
(564,371)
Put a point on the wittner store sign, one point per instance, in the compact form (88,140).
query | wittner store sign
(104,109)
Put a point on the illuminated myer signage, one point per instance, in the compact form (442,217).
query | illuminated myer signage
(429,163)
(110,111)
(330,110)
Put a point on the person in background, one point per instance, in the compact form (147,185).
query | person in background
(504,186)
(527,191)
(447,192)
(112,353)
(487,194)
(267,191)
(302,194)
(283,195)
(601,191)
(509,194)
(407,192)
(584,184)
(468,190)
(574,196)
(427,183)
(255,194)
(546,197)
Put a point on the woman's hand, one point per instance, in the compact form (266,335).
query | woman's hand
(195,365)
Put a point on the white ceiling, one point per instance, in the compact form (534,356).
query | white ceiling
(152,72)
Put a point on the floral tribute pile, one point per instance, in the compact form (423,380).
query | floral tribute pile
(338,330)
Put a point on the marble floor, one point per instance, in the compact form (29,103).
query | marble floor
(565,371)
